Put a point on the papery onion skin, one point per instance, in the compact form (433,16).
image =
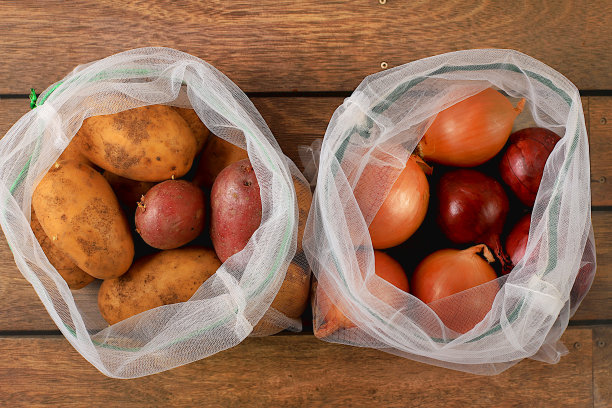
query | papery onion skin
(516,243)
(472,208)
(404,208)
(470,132)
(385,267)
(450,271)
(522,164)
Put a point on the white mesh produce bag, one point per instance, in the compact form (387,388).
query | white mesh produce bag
(382,122)
(225,308)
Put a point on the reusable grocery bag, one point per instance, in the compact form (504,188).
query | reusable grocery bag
(381,123)
(228,305)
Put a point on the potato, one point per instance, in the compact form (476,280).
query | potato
(129,192)
(72,274)
(161,279)
(77,208)
(151,143)
(235,206)
(304,197)
(291,299)
(171,214)
(199,130)
(72,152)
(217,155)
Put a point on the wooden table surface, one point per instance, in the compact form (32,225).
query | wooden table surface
(297,61)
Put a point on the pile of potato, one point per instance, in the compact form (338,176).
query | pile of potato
(125,203)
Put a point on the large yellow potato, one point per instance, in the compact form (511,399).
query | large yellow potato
(199,130)
(164,278)
(78,210)
(291,299)
(73,152)
(74,276)
(151,143)
(217,155)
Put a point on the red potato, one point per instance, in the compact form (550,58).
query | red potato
(235,208)
(171,214)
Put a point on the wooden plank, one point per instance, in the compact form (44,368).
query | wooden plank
(291,371)
(294,121)
(600,139)
(300,120)
(597,305)
(602,366)
(310,45)
(20,308)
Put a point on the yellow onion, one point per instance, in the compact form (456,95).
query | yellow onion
(471,131)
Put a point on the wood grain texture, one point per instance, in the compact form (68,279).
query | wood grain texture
(600,140)
(292,370)
(597,305)
(308,45)
(602,366)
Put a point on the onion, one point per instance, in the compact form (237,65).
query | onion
(523,162)
(386,268)
(471,131)
(472,209)
(404,208)
(449,271)
(516,243)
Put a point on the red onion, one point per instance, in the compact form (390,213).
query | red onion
(517,240)
(472,209)
(522,164)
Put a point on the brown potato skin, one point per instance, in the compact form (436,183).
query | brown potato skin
(74,276)
(217,155)
(304,197)
(129,192)
(235,209)
(72,152)
(291,299)
(77,208)
(151,143)
(163,278)
(199,130)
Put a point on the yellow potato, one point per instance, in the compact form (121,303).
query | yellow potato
(151,143)
(78,210)
(72,152)
(199,130)
(163,278)
(72,274)
(304,197)
(290,300)
(217,155)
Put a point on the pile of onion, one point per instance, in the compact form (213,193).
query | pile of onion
(470,132)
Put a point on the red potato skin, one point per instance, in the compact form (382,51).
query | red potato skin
(171,214)
(235,206)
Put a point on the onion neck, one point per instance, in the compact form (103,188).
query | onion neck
(495,244)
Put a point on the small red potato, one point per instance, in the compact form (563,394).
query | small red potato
(171,214)
(235,208)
